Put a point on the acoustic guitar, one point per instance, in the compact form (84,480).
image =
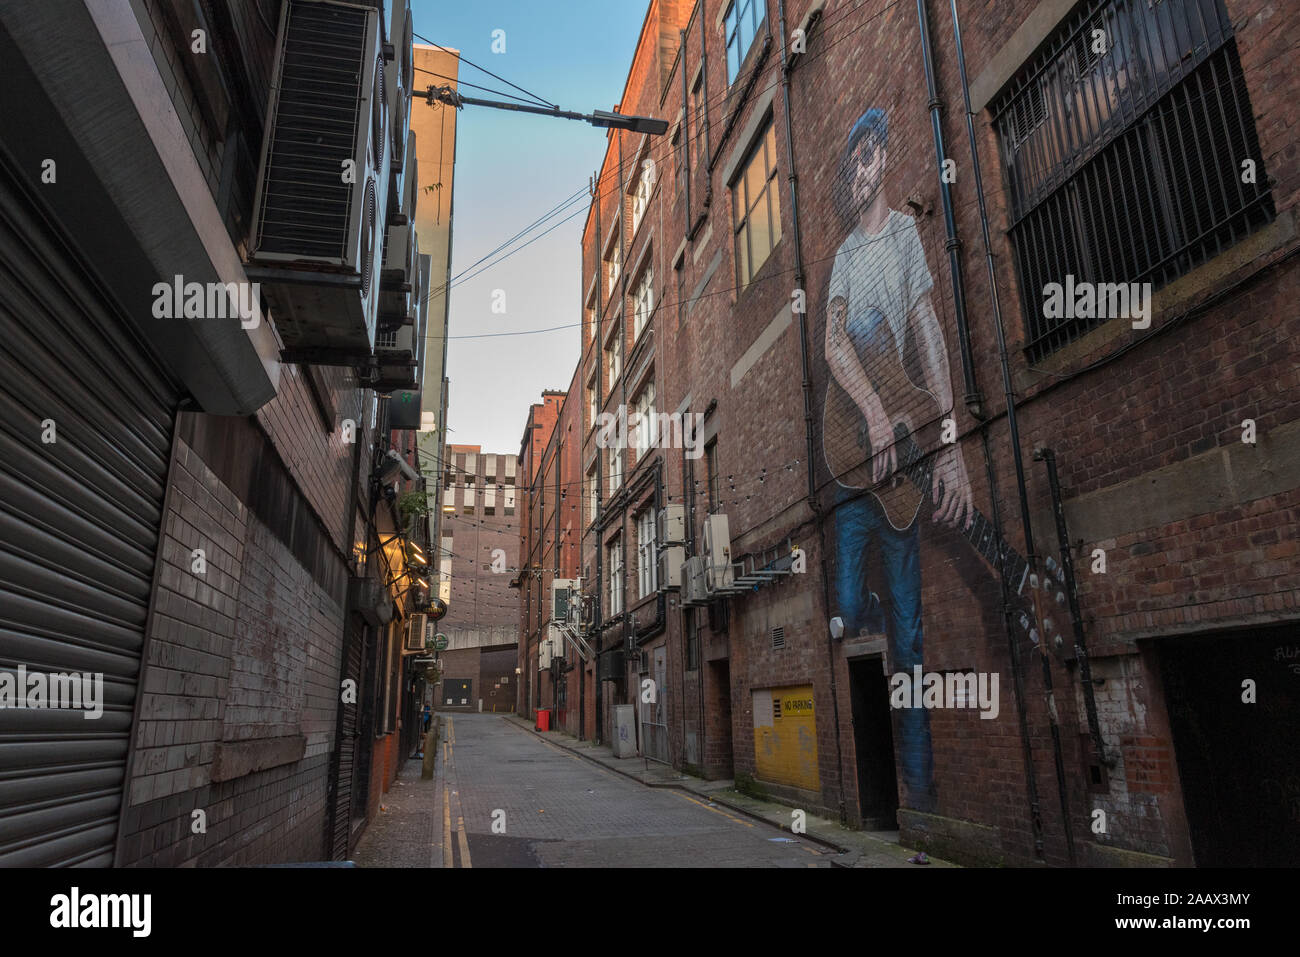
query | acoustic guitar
(912,410)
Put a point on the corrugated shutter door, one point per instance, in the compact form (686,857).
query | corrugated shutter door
(79,524)
(347,745)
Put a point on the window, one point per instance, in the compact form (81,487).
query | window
(593,410)
(590,496)
(614,554)
(699,112)
(757,205)
(645,185)
(615,467)
(1124,161)
(645,553)
(613,263)
(489,510)
(715,480)
(468,510)
(590,320)
(644,407)
(742,26)
(614,358)
(678,156)
(643,302)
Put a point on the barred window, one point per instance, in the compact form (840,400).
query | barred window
(1125,143)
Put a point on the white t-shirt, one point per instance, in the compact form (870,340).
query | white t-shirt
(885,271)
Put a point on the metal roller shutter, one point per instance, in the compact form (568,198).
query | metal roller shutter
(345,754)
(79,524)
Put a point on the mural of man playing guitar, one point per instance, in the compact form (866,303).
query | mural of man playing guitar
(889,386)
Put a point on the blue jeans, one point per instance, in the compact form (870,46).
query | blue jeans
(857,523)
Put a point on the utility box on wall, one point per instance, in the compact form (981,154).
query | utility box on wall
(624,731)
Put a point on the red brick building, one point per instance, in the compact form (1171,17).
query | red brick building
(556,677)
(818,173)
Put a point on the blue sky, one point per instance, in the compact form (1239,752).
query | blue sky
(511,169)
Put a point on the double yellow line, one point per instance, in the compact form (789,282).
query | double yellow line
(448,753)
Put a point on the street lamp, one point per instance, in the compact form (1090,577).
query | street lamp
(601,118)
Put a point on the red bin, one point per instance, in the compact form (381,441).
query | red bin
(544,719)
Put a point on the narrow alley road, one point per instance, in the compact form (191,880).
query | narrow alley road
(560,810)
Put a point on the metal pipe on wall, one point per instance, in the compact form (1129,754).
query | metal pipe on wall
(1012,421)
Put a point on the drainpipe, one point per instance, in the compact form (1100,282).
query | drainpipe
(597,340)
(1012,423)
(974,401)
(1072,595)
(814,502)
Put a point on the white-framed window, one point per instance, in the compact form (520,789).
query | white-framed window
(615,467)
(591,494)
(614,556)
(614,358)
(643,301)
(644,407)
(593,410)
(613,264)
(742,22)
(647,570)
(645,185)
(589,323)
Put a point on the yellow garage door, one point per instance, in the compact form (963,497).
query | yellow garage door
(785,736)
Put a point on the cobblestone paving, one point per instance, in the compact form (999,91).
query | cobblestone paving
(561,810)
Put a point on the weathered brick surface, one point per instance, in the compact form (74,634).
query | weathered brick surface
(247,655)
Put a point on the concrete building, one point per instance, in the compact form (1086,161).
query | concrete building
(793,272)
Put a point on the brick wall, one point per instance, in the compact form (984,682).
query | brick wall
(238,702)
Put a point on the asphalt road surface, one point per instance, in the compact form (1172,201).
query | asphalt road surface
(513,800)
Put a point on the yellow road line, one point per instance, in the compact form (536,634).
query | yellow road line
(446,828)
(713,809)
(464,843)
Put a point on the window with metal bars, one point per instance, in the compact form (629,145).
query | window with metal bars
(1125,142)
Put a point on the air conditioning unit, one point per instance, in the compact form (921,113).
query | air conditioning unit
(587,611)
(717,552)
(671,528)
(417,627)
(397,298)
(564,597)
(401,35)
(322,187)
(544,652)
(399,341)
(670,566)
(693,591)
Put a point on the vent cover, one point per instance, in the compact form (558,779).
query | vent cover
(368,243)
(778,637)
(304,202)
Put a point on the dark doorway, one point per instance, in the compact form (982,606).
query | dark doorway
(457,693)
(1238,762)
(718,759)
(873,736)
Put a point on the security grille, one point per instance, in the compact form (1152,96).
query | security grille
(1124,143)
(305,200)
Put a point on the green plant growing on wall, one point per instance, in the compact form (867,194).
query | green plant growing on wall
(413,505)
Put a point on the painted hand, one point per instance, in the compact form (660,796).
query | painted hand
(952,489)
(880,435)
